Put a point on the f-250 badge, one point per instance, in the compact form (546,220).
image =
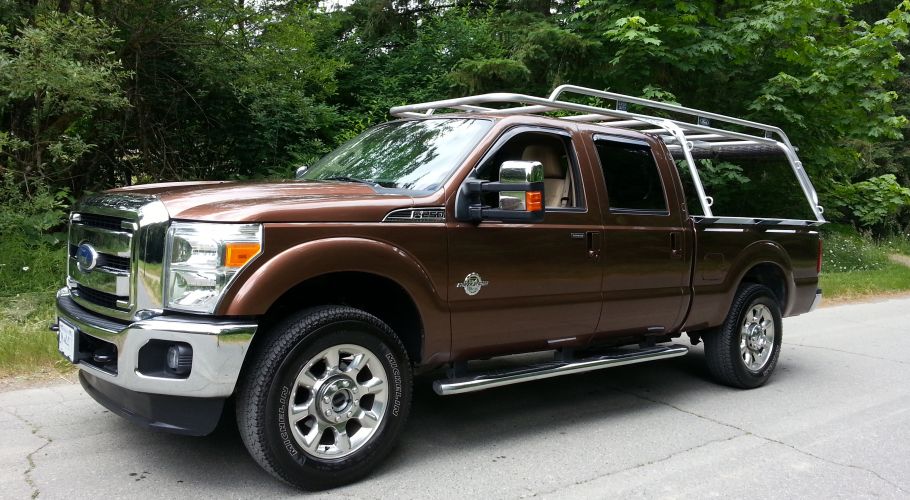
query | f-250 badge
(472,284)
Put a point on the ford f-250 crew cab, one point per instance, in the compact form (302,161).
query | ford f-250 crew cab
(508,224)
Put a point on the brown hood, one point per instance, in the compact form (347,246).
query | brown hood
(287,201)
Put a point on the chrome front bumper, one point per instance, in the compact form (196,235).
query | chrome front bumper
(219,348)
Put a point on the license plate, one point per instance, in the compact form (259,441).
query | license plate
(66,340)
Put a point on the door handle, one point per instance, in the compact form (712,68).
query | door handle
(676,251)
(593,240)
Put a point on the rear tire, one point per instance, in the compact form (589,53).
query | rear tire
(743,352)
(325,400)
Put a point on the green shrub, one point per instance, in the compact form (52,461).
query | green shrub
(846,250)
(877,201)
(32,248)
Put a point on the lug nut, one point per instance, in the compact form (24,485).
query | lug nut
(350,413)
(354,390)
(326,399)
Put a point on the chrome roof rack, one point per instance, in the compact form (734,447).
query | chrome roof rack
(682,129)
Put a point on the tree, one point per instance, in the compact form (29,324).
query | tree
(55,75)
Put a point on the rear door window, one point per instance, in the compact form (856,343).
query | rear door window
(630,171)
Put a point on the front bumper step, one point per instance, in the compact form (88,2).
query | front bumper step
(618,357)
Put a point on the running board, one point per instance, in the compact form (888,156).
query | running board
(511,376)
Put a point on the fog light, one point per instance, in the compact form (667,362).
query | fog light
(179,359)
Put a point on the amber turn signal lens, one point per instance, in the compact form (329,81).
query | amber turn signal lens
(238,254)
(534,201)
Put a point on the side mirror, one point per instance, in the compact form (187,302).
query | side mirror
(300,172)
(521,194)
(521,173)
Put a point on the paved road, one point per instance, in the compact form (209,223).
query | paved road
(833,422)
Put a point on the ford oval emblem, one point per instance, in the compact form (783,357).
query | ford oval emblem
(86,257)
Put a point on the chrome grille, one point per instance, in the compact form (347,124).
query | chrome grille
(100,298)
(112,262)
(127,234)
(103,221)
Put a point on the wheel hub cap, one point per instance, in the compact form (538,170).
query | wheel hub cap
(757,337)
(335,400)
(338,401)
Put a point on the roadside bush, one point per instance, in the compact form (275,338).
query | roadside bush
(846,250)
(873,203)
(32,254)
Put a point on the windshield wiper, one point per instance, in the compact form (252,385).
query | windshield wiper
(343,178)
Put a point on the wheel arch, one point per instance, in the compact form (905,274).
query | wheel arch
(368,274)
(377,295)
(765,263)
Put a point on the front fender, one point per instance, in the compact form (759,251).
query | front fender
(261,286)
(279,273)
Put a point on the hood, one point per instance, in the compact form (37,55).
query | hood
(285,201)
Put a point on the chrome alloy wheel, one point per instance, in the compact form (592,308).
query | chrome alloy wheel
(756,341)
(338,401)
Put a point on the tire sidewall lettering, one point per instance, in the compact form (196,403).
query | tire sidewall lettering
(396,378)
(284,430)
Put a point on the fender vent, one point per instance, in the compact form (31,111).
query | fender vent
(418,215)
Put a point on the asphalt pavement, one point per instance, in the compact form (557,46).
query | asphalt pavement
(833,422)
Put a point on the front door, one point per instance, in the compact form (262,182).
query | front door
(520,286)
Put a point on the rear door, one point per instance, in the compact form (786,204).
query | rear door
(528,286)
(646,261)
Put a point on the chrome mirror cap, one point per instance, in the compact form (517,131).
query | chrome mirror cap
(518,172)
(301,171)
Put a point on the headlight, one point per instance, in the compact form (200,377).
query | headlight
(202,260)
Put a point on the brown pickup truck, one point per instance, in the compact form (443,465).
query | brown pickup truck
(438,244)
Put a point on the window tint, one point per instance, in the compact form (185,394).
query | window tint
(739,180)
(633,181)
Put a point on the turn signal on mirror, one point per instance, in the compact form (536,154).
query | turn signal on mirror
(534,201)
(239,253)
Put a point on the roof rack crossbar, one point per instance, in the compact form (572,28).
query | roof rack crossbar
(675,108)
(525,104)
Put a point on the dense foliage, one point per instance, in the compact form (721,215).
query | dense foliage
(97,93)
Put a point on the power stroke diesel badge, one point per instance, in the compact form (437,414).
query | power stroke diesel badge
(472,284)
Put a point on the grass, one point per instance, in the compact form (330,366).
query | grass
(26,343)
(30,273)
(856,266)
(891,278)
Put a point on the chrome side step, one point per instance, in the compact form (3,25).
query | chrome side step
(617,357)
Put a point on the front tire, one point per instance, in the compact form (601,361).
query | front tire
(325,400)
(744,351)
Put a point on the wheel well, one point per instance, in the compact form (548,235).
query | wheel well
(772,277)
(374,294)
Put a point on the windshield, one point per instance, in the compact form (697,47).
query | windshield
(417,155)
